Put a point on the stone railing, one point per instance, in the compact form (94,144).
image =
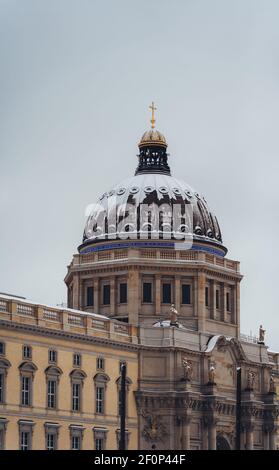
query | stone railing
(248,338)
(162,255)
(73,321)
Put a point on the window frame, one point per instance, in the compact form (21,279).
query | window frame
(50,352)
(145,283)
(106,291)
(189,286)
(164,284)
(26,347)
(121,285)
(90,297)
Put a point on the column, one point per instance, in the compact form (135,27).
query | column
(249,437)
(158,294)
(113,295)
(76,292)
(177,293)
(133,296)
(272,438)
(223,302)
(201,301)
(212,434)
(185,432)
(236,310)
(96,296)
(212,299)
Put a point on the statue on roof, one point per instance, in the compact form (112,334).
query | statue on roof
(173,316)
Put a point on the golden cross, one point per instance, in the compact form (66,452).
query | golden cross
(153,109)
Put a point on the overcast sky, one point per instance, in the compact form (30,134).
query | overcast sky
(76,80)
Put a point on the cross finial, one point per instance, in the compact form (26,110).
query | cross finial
(153,109)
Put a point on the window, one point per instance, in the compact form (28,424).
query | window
(51,394)
(77,360)
(25,391)
(228,302)
(90,296)
(217,298)
(76,397)
(25,434)
(100,437)
(51,441)
(99,443)
(2,378)
(207,296)
(25,438)
(51,435)
(76,436)
(147,292)
(123,293)
(106,294)
(100,394)
(52,356)
(2,349)
(27,352)
(3,428)
(186,294)
(166,293)
(75,442)
(100,363)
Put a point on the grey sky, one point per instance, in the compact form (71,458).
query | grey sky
(76,80)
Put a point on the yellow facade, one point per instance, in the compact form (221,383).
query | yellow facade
(112,347)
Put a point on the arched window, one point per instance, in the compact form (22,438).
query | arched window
(27,371)
(53,374)
(77,378)
(100,381)
(4,366)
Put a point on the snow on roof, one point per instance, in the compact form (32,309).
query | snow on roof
(65,309)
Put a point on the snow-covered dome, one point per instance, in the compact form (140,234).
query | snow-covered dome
(128,210)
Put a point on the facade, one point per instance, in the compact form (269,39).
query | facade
(59,378)
(164,297)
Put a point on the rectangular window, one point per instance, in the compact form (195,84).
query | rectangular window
(76,397)
(2,349)
(51,394)
(26,391)
(99,444)
(1,388)
(75,442)
(51,441)
(147,292)
(77,360)
(106,294)
(52,356)
(166,293)
(90,296)
(186,294)
(207,296)
(217,298)
(100,363)
(228,302)
(25,440)
(123,293)
(100,393)
(27,352)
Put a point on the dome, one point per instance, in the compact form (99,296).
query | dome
(153,137)
(151,189)
(153,204)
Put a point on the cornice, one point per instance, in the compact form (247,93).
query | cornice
(153,265)
(66,335)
